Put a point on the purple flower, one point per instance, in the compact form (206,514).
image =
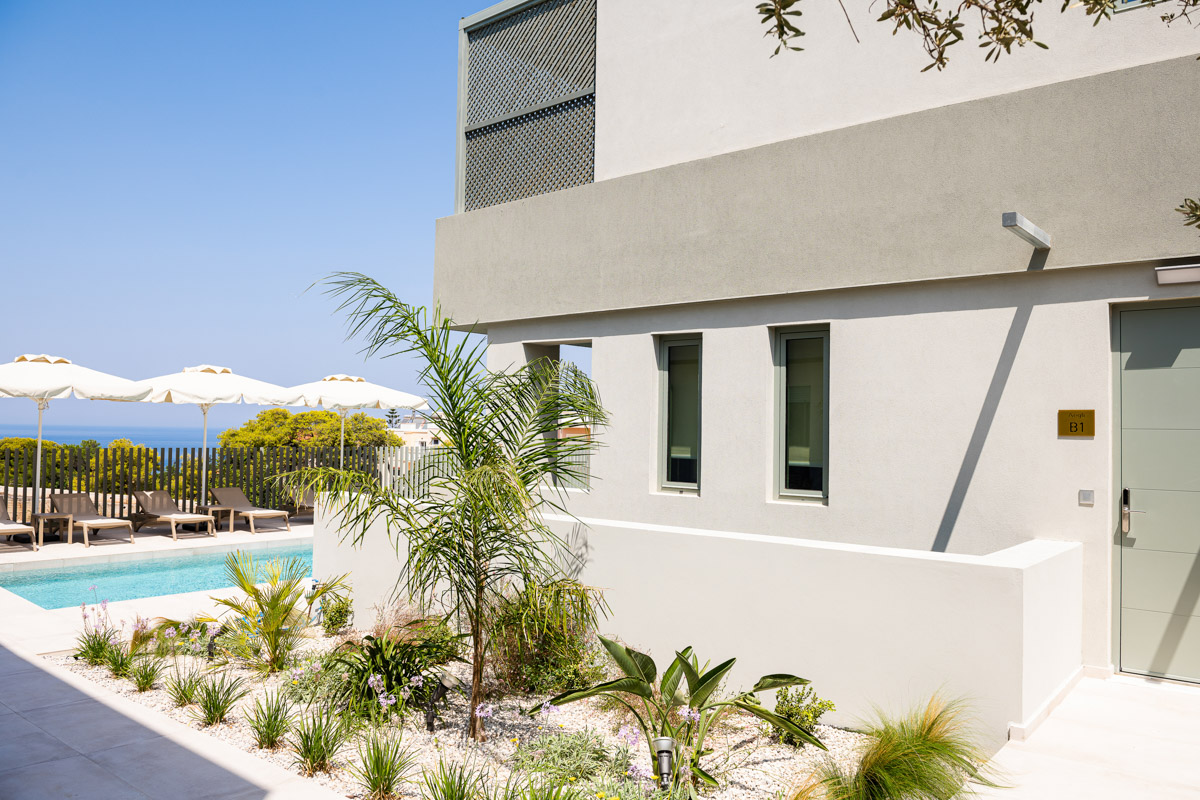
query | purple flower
(92,588)
(406,693)
(640,772)
(104,604)
(386,700)
(417,680)
(628,735)
(689,715)
(376,683)
(213,629)
(548,709)
(484,710)
(171,633)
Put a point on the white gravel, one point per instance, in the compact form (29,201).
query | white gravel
(747,764)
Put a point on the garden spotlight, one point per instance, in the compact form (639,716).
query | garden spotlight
(664,751)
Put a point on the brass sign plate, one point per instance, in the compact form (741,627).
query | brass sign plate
(1077,422)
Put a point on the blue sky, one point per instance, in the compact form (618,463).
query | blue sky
(173,176)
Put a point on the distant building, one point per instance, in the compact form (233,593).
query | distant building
(417,431)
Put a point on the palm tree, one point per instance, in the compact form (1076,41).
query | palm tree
(472,511)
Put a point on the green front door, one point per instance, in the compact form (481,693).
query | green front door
(1160,486)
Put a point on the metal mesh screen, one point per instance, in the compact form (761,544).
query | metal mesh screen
(532,154)
(535,56)
(530,128)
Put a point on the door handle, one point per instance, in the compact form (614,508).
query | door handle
(1126,510)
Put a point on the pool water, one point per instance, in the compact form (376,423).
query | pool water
(129,580)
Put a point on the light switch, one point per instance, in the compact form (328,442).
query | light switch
(1087,497)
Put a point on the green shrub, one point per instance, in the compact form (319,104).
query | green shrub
(385,766)
(216,697)
(182,687)
(93,644)
(542,638)
(317,680)
(270,720)
(563,757)
(404,662)
(800,706)
(928,754)
(452,780)
(337,612)
(145,672)
(317,739)
(119,660)
(544,790)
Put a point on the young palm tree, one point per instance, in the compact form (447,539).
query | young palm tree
(472,511)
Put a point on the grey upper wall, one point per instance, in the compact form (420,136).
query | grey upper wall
(1099,162)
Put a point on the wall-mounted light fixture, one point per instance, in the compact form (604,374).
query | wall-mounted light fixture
(1026,230)
(1181,273)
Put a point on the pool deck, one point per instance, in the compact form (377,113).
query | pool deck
(42,631)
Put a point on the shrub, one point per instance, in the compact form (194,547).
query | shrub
(216,697)
(928,753)
(270,720)
(92,646)
(542,637)
(563,757)
(542,790)
(398,666)
(453,781)
(801,707)
(336,613)
(273,613)
(316,680)
(182,687)
(118,659)
(145,672)
(385,766)
(317,739)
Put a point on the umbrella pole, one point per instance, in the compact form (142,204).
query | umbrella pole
(342,448)
(204,457)
(37,468)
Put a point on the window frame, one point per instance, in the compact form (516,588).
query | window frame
(782,337)
(665,343)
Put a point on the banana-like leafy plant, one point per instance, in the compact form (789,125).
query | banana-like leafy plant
(683,704)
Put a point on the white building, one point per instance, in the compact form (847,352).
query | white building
(812,244)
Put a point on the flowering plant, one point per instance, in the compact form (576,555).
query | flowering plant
(682,705)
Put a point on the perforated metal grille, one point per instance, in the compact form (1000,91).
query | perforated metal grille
(533,57)
(532,154)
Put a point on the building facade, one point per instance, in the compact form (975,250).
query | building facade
(835,379)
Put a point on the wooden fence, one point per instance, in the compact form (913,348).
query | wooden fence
(111,475)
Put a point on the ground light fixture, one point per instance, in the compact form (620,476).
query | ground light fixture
(1181,273)
(664,752)
(1026,230)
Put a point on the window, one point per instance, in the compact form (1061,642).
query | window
(680,439)
(803,427)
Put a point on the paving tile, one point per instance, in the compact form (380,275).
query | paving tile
(89,725)
(11,663)
(28,690)
(23,743)
(66,779)
(163,769)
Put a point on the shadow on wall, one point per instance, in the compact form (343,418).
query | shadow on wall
(983,426)
(63,743)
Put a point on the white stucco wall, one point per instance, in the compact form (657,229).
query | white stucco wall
(943,402)
(677,83)
(868,626)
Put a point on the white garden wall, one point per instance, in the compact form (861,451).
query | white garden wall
(868,625)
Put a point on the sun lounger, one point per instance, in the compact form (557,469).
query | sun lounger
(159,507)
(235,498)
(85,515)
(9,528)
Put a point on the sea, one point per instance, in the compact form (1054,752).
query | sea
(104,434)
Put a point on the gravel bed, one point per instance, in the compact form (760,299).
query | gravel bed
(750,766)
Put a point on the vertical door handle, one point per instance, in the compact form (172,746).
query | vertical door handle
(1126,510)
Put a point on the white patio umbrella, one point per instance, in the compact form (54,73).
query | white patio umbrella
(205,386)
(43,378)
(341,393)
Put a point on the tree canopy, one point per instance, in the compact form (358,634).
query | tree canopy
(278,427)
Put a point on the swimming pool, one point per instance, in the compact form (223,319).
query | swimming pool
(64,587)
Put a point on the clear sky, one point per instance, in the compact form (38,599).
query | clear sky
(173,176)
